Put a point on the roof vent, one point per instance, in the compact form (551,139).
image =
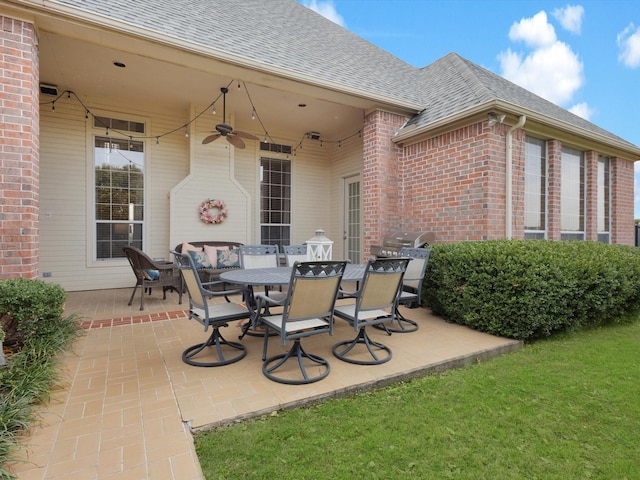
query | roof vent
(48,89)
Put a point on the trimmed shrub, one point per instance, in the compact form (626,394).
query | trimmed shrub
(29,308)
(527,289)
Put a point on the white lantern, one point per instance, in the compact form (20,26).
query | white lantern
(319,247)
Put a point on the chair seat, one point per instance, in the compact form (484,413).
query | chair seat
(275,322)
(348,311)
(221,311)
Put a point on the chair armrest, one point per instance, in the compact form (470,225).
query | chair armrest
(262,298)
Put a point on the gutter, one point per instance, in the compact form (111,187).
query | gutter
(509,178)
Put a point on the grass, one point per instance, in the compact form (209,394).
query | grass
(563,408)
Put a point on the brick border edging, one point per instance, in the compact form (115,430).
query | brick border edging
(133,320)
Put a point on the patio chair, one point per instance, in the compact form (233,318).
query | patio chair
(375,303)
(261,256)
(150,273)
(295,253)
(411,291)
(210,314)
(306,310)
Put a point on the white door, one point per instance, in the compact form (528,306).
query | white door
(352,237)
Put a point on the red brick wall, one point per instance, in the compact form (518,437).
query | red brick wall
(381,182)
(622,229)
(19,161)
(454,184)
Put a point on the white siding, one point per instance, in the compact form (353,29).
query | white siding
(181,173)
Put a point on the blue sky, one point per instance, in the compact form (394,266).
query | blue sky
(583,55)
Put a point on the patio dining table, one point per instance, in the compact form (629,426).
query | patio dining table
(280,275)
(274,276)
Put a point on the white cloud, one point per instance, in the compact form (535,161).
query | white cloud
(326,8)
(582,110)
(554,72)
(570,17)
(550,68)
(629,44)
(534,32)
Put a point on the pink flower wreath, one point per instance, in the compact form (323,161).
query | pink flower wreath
(207,205)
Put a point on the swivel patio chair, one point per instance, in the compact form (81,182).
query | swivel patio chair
(295,253)
(375,303)
(306,310)
(150,273)
(215,315)
(411,291)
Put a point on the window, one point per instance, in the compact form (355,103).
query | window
(572,195)
(119,191)
(604,200)
(535,189)
(275,202)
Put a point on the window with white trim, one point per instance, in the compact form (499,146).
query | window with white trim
(604,200)
(118,189)
(275,202)
(535,189)
(572,195)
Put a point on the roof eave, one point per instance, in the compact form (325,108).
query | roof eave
(65,12)
(536,123)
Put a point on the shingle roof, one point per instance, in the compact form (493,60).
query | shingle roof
(286,35)
(280,33)
(453,84)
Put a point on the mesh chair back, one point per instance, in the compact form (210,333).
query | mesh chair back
(417,267)
(259,256)
(295,253)
(191,280)
(381,283)
(313,289)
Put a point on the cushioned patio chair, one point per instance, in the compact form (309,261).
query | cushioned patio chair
(150,273)
(295,253)
(307,310)
(204,310)
(375,303)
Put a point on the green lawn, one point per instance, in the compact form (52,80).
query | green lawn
(564,408)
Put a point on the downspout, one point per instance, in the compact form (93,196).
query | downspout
(509,175)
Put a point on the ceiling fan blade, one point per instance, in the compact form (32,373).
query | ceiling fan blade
(210,138)
(235,141)
(248,136)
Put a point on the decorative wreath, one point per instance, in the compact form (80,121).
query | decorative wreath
(207,205)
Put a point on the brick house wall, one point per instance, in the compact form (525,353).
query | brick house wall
(381,181)
(19,147)
(454,184)
(622,228)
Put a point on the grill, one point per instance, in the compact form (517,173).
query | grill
(391,244)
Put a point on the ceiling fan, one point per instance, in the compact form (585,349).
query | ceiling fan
(225,130)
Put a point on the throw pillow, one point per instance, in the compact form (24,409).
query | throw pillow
(151,274)
(200,259)
(229,258)
(212,254)
(187,247)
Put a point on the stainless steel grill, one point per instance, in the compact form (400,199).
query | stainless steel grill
(391,244)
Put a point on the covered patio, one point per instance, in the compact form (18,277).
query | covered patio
(128,406)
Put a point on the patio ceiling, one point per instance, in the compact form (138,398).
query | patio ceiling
(83,61)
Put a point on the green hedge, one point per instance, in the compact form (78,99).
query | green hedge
(31,312)
(30,308)
(527,289)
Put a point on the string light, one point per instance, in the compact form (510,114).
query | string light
(254,115)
